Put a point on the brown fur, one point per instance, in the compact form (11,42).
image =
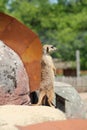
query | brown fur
(47,76)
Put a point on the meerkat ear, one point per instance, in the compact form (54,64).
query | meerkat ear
(47,49)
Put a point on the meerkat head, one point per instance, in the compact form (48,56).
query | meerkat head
(48,49)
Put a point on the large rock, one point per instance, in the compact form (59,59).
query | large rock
(69,101)
(14,82)
(11,115)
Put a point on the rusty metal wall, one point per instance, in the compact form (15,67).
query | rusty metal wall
(25,43)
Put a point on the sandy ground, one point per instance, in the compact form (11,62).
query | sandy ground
(83,96)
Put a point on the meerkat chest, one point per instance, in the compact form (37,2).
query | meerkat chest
(47,60)
(47,68)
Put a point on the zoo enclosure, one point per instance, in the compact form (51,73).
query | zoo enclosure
(79,83)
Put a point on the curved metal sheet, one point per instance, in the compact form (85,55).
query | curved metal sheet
(25,43)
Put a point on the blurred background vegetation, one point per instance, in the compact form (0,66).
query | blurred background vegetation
(62,23)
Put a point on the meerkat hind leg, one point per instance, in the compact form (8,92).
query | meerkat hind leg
(50,103)
(50,95)
(41,96)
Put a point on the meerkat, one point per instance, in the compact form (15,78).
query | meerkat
(48,71)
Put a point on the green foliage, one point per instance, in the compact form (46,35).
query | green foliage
(3,5)
(63,24)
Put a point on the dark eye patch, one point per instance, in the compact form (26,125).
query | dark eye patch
(47,49)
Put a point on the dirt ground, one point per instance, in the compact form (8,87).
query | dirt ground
(58,125)
(84,98)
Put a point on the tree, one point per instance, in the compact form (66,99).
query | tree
(62,24)
(3,5)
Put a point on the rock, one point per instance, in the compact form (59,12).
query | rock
(69,101)
(11,115)
(14,82)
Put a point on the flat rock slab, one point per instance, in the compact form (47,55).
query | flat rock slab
(14,82)
(11,115)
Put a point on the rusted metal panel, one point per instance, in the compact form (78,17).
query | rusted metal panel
(25,43)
